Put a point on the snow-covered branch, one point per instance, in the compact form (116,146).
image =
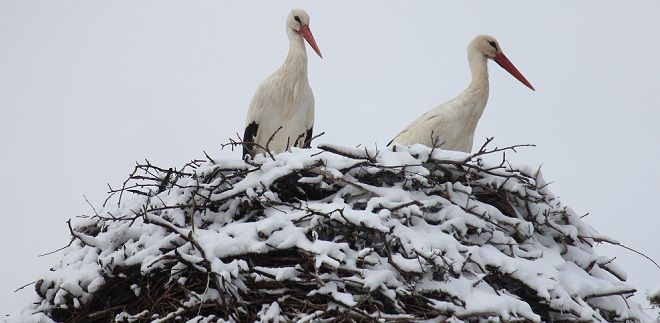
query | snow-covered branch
(336,232)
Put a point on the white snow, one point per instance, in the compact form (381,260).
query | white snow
(440,227)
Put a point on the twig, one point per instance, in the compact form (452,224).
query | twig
(616,243)
(26,285)
(59,249)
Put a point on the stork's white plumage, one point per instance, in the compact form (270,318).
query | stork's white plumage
(451,125)
(281,113)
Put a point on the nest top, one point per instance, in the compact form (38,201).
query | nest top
(334,232)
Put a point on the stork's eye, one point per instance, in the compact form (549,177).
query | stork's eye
(494,44)
(297,19)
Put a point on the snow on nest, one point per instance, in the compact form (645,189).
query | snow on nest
(653,295)
(314,234)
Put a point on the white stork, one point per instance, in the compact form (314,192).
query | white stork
(281,113)
(451,125)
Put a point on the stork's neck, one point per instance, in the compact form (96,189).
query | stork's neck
(295,64)
(476,94)
(479,69)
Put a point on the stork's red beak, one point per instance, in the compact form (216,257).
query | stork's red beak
(506,64)
(307,34)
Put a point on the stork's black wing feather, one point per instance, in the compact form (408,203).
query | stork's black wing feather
(391,141)
(308,138)
(248,136)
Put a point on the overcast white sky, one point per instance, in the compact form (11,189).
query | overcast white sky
(89,87)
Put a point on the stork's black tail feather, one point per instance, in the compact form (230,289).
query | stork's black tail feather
(248,136)
(308,138)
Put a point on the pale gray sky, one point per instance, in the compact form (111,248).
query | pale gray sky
(89,87)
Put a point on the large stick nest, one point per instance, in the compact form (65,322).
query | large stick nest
(335,234)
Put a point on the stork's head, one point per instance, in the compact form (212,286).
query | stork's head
(488,46)
(298,21)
